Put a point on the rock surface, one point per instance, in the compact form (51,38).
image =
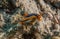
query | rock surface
(11,12)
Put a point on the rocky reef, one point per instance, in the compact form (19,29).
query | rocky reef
(29,19)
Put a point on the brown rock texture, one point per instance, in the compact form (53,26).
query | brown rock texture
(12,15)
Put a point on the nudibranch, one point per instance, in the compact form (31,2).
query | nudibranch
(31,17)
